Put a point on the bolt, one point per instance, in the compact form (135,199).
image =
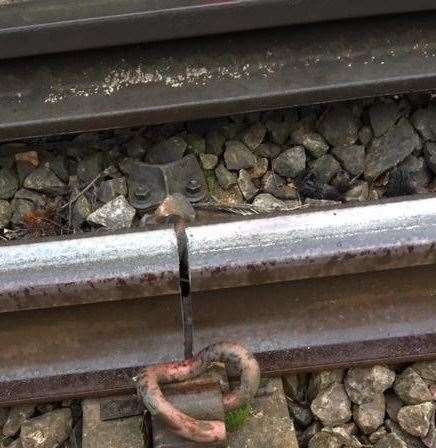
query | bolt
(193,186)
(142,192)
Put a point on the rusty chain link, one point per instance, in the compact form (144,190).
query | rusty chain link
(236,358)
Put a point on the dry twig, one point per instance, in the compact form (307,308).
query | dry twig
(105,172)
(244,209)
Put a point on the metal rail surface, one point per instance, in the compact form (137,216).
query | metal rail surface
(350,285)
(88,270)
(45,26)
(373,237)
(217,75)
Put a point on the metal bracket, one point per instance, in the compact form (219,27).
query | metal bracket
(202,402)
(149,184)
(124,406)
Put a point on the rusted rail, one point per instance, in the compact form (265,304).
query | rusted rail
(350,285)
(215,75)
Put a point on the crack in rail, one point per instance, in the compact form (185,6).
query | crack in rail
(185,290)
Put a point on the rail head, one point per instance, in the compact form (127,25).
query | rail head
(95,268)
(343,240)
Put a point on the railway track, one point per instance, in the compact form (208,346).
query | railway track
(307,290)
(96,322)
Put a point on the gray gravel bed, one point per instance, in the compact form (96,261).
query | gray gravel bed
(49,425)
(377,406)
(252,163)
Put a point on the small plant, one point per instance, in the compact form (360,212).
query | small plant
(211,181)
(235,419)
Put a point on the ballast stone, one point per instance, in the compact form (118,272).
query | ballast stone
(116,214)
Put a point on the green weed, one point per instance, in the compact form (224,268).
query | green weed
(235,419)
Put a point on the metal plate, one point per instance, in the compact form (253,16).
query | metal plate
(44,26)
(149,184)
(113,408)
(201,404)
(220,75)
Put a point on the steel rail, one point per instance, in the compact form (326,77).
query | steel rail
(387,316)
(319,288)
(350,285)
(216,75)
(90,269)
(47,26)
(376,236)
